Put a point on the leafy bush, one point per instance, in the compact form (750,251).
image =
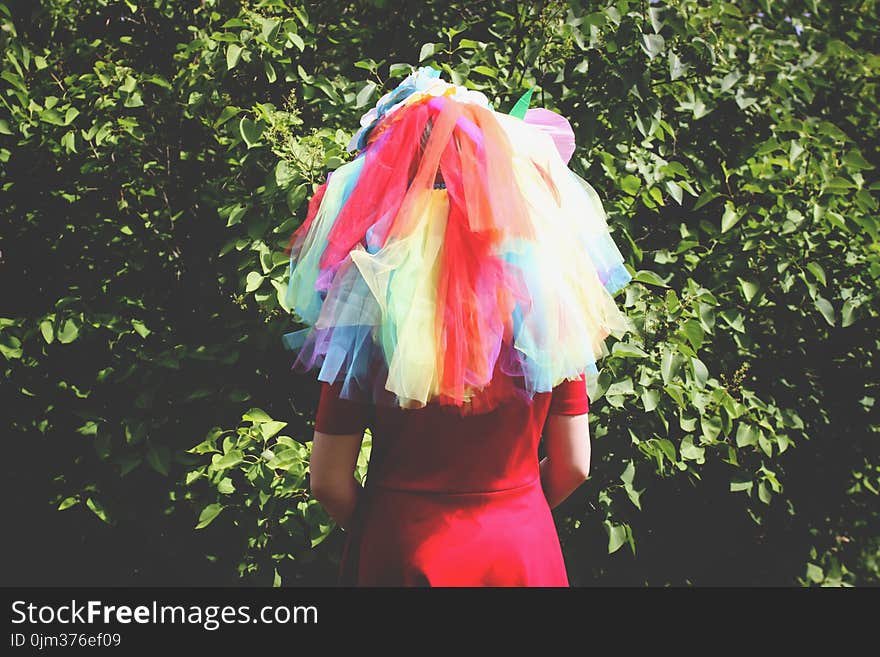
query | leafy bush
(156,156)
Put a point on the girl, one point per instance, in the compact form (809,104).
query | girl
(456,280)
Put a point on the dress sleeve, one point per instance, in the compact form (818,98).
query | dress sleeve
(570,398)
(336,415)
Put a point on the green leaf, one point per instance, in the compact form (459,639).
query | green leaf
(650,399)
(630,184)
(236,215)
(749,288)
(690,451)
(677,67)
(232,458)
(733,319)
(675,391)
(794,151)
(285,173)
(816,269)
(134,100)
(256,415)
(51,116)
(233,55)
(365,94)
(140,328)
(674,190)
(206,517)
(67,502)
(815,573)
(626,350)
(270,28)
(628,473)
(653,44)
(687,422)
(159,81)
(103,132)
(649,277)
(706,197)
(228,112)
(254,280)
(14,80)
(69,141)
(730,217)
(839,185)
(707,317)
(269,429)
(667,448)
(670,361)
(854,160)
(848,313)
(98,509)
(694,333)
(280,294)
(616,537)
(764,443)
(271,76)
(250,131)
(285,459)
(47,330)
(295,197)
(398,70)
(68,333)
(487,71)
(729,80)
(656,194)
(826,309)
(634,496)
(737,485)
(746,435)
(783,441)
(426,51)
(711,426)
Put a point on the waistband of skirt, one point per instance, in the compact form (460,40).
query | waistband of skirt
(422,491)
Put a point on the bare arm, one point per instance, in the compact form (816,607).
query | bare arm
(567,464)
(331,474)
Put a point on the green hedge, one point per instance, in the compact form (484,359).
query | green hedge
(155,157)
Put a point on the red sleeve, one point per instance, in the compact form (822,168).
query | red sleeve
(570,398)
(337,415)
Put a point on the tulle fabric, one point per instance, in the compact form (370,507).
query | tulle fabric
(495,284)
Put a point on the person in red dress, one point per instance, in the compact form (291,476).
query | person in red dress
(451,500)
(455,279)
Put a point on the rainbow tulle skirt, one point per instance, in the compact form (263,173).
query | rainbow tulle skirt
(456,259)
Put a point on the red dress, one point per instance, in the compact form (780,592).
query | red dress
(451,500)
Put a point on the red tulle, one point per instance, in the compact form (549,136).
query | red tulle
(382,185)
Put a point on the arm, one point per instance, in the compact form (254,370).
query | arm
(331,474)
(567,464)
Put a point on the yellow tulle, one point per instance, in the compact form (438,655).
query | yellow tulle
(574,312)
(405,272)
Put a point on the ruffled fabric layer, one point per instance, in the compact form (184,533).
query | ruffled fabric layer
(456,260)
